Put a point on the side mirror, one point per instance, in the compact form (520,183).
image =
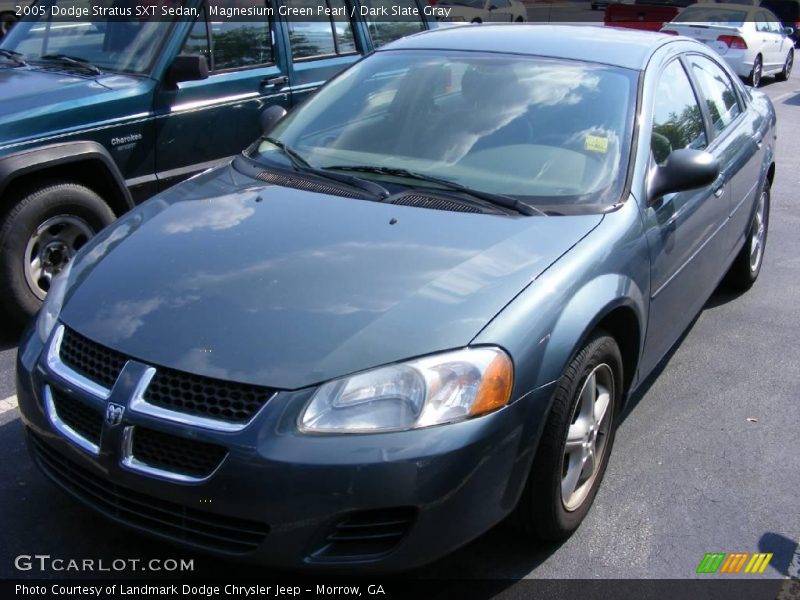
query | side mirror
(188,67)
(684,169)
(788,30)
(270,117)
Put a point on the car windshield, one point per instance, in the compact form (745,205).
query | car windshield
(712,15)
(127,46)
(541,130)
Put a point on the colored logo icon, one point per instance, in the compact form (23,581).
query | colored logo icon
(735,562)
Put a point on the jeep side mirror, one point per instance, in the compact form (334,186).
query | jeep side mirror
(270,116)
(187,67)
(684,169)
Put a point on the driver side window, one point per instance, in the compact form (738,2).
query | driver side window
(677,120)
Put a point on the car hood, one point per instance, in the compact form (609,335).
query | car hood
(287,288)
(38,102)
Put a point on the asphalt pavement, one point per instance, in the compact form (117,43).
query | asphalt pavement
(708,459)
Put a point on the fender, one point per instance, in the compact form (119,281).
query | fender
(578,296)
(13,166)
(587,309)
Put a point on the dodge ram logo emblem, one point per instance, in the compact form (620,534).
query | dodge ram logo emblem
(114,414)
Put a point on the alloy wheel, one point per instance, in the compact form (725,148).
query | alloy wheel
(757,73)
(587,436)
(758,236)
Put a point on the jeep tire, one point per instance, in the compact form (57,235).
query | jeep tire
(40,231)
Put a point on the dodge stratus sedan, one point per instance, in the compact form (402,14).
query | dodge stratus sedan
(415,307)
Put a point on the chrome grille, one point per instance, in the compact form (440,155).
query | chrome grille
(176,454)
(205,397)
(83,419)
(98,363)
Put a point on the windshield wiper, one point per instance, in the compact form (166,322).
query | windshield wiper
(302,165)
(495,199)
(13,55)
(73,61)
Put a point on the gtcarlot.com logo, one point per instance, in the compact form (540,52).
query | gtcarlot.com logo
(46,562)
(735,562)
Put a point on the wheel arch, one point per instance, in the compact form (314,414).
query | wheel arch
(86,163)
(613,303)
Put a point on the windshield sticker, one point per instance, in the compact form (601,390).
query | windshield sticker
(596,143)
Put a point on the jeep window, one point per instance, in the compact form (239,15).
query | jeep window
(383,32)
(546,131)
(240,44)
(323,37)
(126,46)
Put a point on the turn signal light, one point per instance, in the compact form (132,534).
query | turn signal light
(733,41)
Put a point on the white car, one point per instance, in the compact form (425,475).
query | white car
(485,11)
(750,39)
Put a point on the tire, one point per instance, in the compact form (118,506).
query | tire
(7,20)
(51,220)
(545,511)
(519,20)
(787,67)
(754,79)
(747,265)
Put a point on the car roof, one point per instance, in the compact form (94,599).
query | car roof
(626,48)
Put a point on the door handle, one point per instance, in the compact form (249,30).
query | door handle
(275,82)
(759,142)
(719,190)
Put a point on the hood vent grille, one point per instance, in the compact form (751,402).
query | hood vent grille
(434,203)
(302,183)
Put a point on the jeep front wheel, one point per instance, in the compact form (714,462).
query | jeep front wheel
(41,232)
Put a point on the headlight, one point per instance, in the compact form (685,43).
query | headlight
(429,391)
(48,314)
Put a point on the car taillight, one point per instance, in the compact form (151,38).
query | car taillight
(733,41)
(669,32)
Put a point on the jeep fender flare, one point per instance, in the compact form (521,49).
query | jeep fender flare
(20,164)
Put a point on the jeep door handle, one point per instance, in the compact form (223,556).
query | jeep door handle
(275,81)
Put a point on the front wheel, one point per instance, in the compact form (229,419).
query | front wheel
(39,235)
(747,264)
(755,75)
(576,442)
(787,67)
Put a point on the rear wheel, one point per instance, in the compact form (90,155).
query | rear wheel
(39,235)
(787,67)
(747,265)
(755,75)
(576,442)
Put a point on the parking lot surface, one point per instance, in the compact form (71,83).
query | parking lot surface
(706,461)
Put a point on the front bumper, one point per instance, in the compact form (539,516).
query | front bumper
(289,500)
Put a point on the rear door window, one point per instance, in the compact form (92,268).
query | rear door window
(324,37)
